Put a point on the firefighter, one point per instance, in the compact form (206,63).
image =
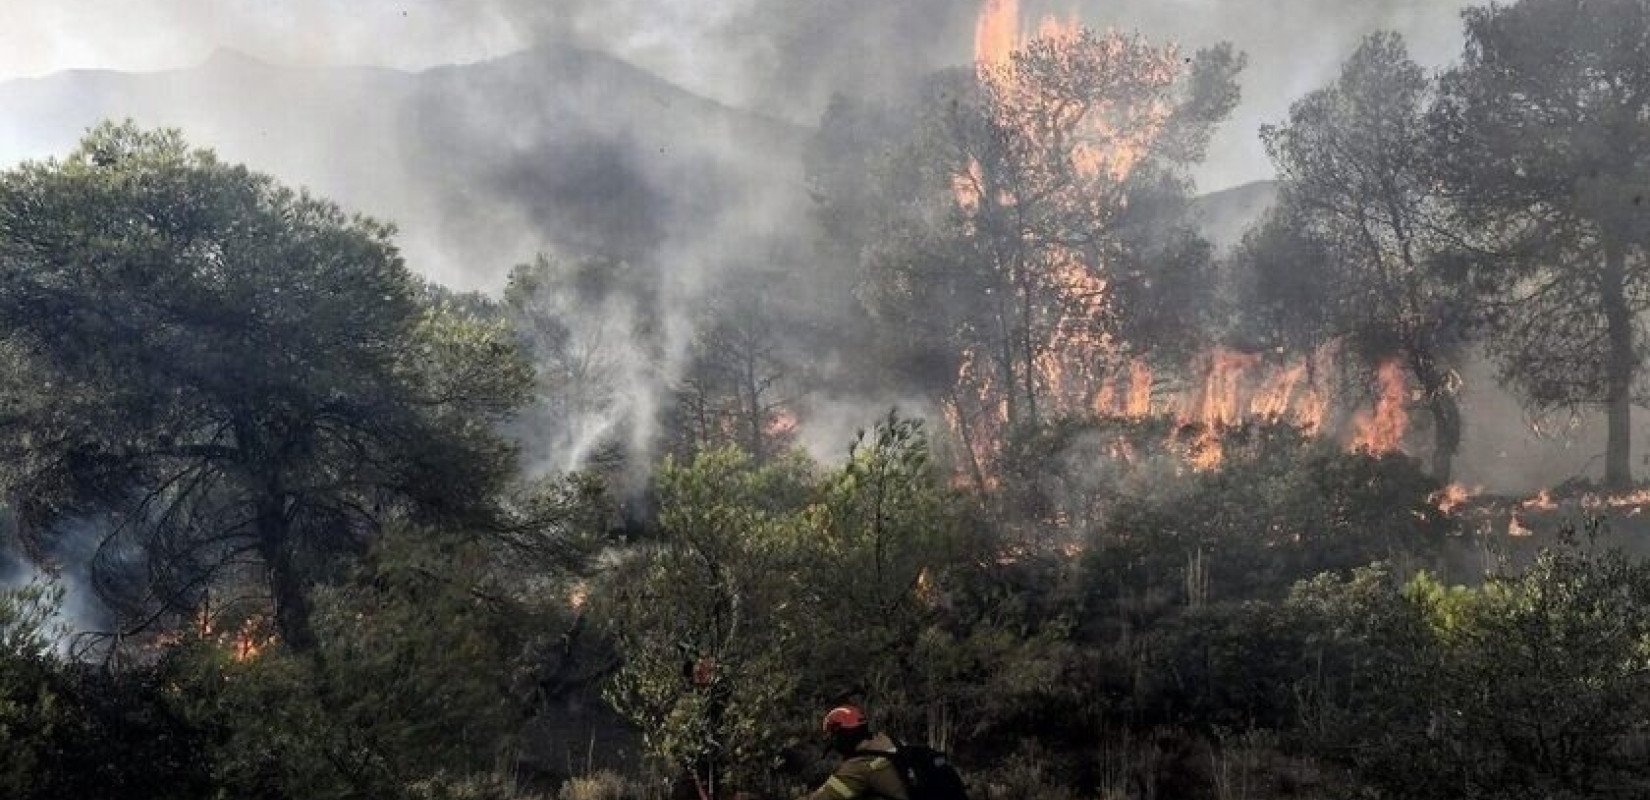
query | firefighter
(866,771)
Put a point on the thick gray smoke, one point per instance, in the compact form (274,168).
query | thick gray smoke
(665,134)
(785,57)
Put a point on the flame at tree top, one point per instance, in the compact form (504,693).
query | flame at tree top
(997,32)
(1110,136)
(1072,112)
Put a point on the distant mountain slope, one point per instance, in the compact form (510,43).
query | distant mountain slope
(1226,215)
(480,164)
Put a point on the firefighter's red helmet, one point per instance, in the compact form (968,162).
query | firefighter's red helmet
(844,718)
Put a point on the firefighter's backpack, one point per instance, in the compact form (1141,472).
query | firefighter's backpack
(927,773)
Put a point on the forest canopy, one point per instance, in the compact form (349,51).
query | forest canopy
(1150,515)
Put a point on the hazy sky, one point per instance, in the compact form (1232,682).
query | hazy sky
(783,55)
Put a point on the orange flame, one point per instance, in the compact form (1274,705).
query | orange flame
(1216,406)
(1273,401)
(997,32)
(1089,148)
(1543,501)
(1139,402)
(1383,431)
(1454,496)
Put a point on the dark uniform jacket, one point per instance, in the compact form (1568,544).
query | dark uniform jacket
(865,775)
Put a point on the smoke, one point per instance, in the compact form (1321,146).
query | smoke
(784,57)
(588,142)
(69,566)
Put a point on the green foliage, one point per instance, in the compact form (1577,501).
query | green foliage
(1360,249)
(229,367)
(776,590)
(703,619)
(879,554)
(418,654)
(27,614)
(477,787)
(1543,131)
(1530,686)
(68,730)
(1280,509)
(271,731)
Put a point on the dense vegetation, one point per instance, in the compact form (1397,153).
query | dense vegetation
(325,556)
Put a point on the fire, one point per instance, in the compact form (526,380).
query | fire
(1454,496)
(1234,388)
(1216,405)
(1074,113)
(1275,396)
(1214,408)
(997,32)
(1383,430)
(1634,502)
(1139,402)
(245,643)
(1079,112)
(1102,139)
(1543,501)
(250,641)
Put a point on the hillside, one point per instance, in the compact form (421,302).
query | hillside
(1225,215)
(480,164)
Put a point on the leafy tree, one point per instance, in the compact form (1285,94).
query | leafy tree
(1545,131)
(879,553)
(1362,231)
(1032,216)
(419,654)
(703,621)
(67,729)
(745,379)
(1037,160)
(218,370)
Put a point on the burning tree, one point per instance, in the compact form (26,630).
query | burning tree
(1545,129)
(1358,249)
(1008,246)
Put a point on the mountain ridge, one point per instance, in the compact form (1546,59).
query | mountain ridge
(481,164)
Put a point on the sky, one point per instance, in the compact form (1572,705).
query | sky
(784,57)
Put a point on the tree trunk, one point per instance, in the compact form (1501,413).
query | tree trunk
(1028,344)
(753,409)
(1446,435)
(1622,363)
(1005,346)
(285,581)
(965,429)
(1445,411)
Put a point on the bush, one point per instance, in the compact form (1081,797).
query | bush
(1535,685)
(601,785)
(73,730)
(1279,510)
(472,787)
